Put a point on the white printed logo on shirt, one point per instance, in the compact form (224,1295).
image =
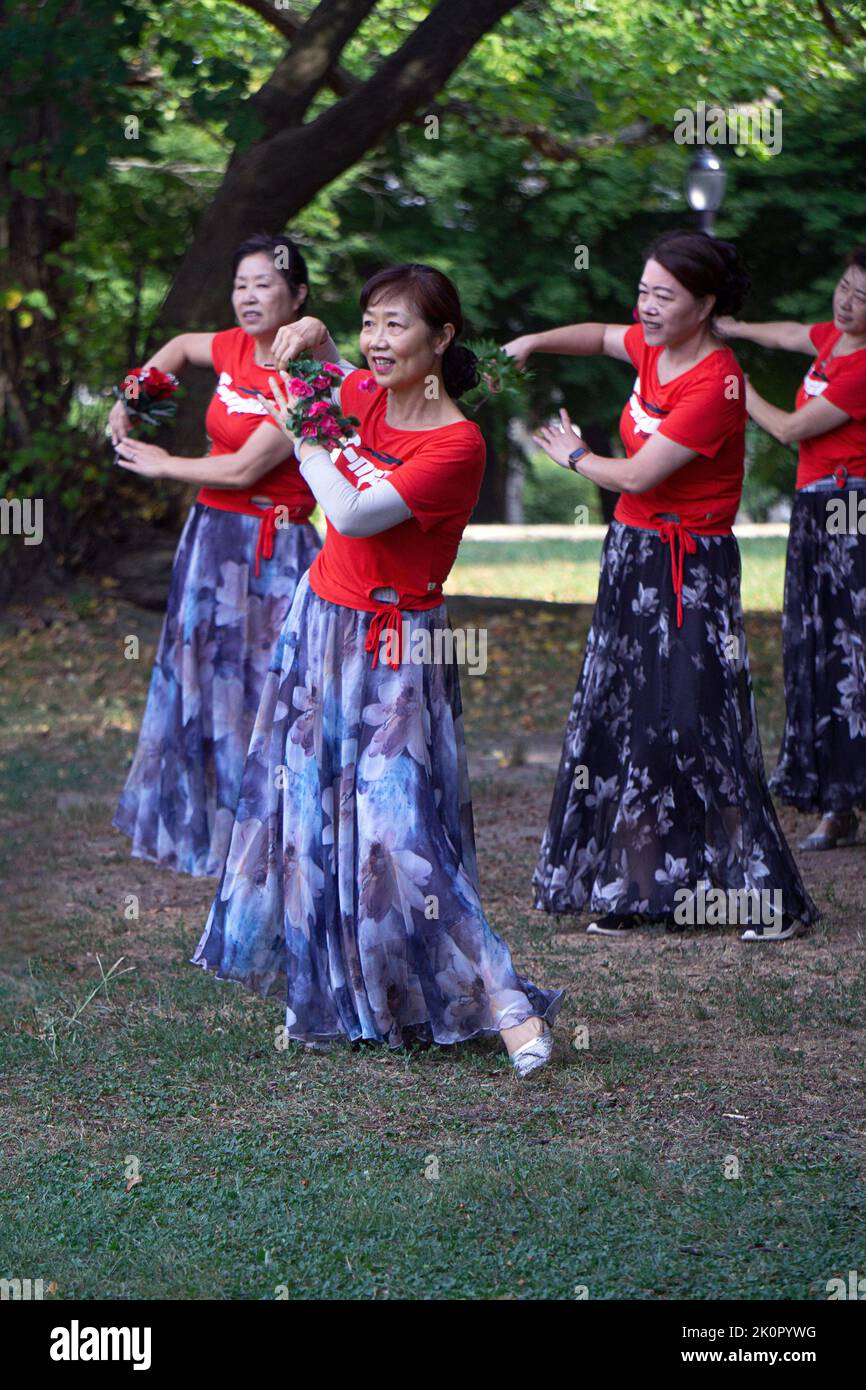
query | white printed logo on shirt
(366,473)
(234,403)
(813,385)
(644,421)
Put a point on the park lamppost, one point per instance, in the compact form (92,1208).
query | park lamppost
(705,187)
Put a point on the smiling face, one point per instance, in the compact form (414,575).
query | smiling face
(261,298)
(849,302)
(670,314)
(400,347)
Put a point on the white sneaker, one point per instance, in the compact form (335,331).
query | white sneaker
(597,929)
(782,933)
(533,1054)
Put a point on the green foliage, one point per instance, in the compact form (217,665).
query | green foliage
(146,117)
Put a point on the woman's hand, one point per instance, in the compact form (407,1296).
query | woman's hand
(118,423)
(283,403)
(558,441)
(139,457)
(725,327)
(519,349)
(293,339)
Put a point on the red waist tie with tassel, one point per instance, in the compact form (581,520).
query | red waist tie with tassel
(677,527)
(681,542)
(229,500)
(388,618)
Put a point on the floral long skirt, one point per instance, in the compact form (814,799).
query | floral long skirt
(351,885)
(220,628)
(661,785)
(822,763)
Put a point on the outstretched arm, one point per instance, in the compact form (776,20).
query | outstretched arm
(786,334)
(789,426)
(573,340)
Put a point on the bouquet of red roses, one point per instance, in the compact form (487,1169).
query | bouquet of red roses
(146,394)
(311,414)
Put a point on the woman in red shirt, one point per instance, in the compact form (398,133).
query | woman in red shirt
(351,880)
(246,543)
(661,794)
(822,763)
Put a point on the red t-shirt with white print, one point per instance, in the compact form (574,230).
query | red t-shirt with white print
(703,409)
(234,414)
(842,382)
(438,474)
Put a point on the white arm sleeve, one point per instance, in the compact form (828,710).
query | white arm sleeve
(377,508)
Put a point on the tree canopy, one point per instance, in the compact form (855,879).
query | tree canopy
(141,140)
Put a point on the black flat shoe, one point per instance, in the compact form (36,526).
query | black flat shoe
(613,924)
(842,833)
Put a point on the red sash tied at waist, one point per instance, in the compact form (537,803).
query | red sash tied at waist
(681,542)
(223,500)
(676,530)
(388,618)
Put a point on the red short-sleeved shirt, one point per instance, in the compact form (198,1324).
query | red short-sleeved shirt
(234,414)
(842,382)
(703,409)
(437,473)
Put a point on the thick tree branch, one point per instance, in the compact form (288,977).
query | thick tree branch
(637,134)
(268,183)
(834,27)
(312,55)
(288,23)
(407,81)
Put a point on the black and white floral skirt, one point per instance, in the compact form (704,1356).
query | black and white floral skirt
(661,785)
(822,763)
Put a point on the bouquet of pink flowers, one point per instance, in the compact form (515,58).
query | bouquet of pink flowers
(147,394)
(312,414)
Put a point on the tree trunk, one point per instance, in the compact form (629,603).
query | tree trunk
(268,183)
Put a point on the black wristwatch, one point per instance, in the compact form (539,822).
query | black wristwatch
(577,454)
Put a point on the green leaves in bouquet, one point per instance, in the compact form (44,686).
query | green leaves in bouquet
(502,382)
(314,417)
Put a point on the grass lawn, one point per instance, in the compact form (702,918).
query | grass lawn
(564,571)
(366,1174)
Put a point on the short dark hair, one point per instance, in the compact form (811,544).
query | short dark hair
(703,265)
(284,253)
(438,302)
(857,257)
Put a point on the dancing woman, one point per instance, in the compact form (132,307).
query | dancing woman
(245,544)
(661,793)
(822,763)
(351,884)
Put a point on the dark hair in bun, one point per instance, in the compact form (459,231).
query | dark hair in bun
(704,265)
(286,256)
(437,301)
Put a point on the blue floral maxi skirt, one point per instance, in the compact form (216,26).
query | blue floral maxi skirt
(661,785)
(351,884)
(220,628)
(822,763)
